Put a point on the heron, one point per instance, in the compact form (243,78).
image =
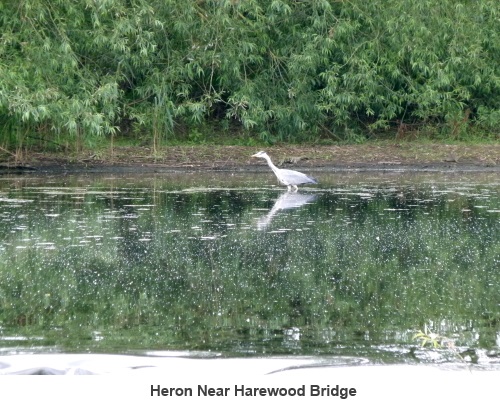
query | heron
(289,178)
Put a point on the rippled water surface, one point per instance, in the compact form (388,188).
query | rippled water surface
(231,264)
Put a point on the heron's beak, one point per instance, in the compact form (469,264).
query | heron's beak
(254,155)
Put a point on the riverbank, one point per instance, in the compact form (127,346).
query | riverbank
(369,156)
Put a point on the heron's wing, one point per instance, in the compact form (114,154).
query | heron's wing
(295,177)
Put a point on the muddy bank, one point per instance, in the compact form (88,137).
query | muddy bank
(366,157)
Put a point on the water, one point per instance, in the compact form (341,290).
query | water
(228,264)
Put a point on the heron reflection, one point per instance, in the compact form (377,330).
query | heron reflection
(286,201)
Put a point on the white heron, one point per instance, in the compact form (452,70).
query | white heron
(289,178)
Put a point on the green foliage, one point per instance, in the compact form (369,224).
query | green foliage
(281,70)
(428,337)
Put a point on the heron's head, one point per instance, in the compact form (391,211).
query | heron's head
(260,154)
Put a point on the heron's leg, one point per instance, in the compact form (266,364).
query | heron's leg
(295,188)
(289,188)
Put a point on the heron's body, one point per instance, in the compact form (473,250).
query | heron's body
(289,178)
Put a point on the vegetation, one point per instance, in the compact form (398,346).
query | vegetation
(74,73)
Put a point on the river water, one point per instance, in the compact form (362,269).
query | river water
(364,268)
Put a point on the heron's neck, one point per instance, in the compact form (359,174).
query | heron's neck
(271,165)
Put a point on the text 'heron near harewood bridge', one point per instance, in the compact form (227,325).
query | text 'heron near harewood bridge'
(290,178)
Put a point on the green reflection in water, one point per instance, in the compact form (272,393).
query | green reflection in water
(114,265)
